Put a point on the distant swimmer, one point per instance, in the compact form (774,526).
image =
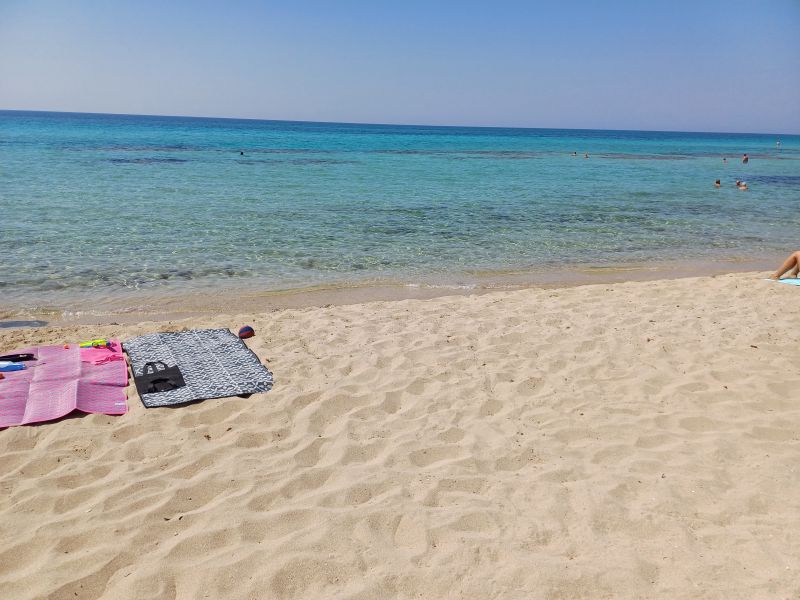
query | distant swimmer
(742,185)
(586,155)
(724,160)
(574,154)
(745,159)
(717,183)
(738,183)
(778,143)
(241,153)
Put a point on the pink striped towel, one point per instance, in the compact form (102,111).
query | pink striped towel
(61,380)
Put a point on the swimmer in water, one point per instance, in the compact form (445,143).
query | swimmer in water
(724,160)
(742,185)
(586,155)
(745,159)
(717,183)
(574,154)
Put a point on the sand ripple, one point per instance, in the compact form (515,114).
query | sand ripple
(633,440)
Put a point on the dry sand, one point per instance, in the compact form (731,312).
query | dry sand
(630,440)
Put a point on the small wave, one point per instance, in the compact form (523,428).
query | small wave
(626,156)
(297,161)
(465,154)
(83,147)
(285,151)
(153,160)
(16,324)
(776,180)
(409,152)
(443,286)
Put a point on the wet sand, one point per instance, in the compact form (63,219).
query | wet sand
(243,297)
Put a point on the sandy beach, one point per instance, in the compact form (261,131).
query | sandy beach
(620,440)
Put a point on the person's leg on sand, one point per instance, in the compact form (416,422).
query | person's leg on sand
(791,264)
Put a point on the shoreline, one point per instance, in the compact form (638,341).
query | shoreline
(172,304)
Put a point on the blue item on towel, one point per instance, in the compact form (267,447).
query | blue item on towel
(790,281)
(6,367)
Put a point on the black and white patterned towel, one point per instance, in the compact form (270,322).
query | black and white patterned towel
(214,363)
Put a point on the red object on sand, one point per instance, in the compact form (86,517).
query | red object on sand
(246,332)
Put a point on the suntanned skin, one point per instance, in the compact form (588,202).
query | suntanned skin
(790,265)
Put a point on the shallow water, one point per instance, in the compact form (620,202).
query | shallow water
(103,206)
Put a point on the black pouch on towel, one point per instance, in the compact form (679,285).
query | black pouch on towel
(158,377)
(17,357)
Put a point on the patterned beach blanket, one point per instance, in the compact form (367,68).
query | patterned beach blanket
(214,363)
(62,380)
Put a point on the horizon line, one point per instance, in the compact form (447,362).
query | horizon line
(376,124)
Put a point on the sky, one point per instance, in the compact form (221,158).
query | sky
(699,65)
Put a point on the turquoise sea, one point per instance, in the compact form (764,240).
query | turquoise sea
(114,205)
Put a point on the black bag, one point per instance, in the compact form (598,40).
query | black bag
(17,357)
(154,379)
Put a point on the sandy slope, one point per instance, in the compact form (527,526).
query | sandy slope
(633,440)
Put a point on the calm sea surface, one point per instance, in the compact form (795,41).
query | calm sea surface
(108,205)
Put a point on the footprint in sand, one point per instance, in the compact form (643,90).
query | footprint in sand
(428,456)
(411,534)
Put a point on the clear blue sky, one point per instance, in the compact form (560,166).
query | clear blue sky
(701,65)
